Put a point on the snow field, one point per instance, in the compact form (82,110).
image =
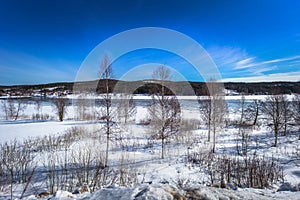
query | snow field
(142,155)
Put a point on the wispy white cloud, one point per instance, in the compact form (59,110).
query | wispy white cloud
(244,62)
(289,76)
(236,62)
(228,56)
(256,64)
(261,70)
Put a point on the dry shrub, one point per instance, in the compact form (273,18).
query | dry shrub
(252,171)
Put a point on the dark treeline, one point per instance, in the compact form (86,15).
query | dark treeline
(264,87)
(147,87)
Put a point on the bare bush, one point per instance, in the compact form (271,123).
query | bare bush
(74,134)
(200,157)
(185,135)
(243,144)
(127,175)
(81,166)
(50,164)
(252,171)
(37,116)
(87,164)
(18,165)
(57,160)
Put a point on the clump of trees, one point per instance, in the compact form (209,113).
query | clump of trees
(248,120)
(13,108)
(82,107)
(277,110)
(126,108)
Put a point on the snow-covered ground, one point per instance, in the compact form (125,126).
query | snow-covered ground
(170,178)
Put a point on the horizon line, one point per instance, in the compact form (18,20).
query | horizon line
(223,81)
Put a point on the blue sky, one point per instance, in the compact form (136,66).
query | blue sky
(46,41)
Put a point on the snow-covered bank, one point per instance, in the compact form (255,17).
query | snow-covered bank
(24,129)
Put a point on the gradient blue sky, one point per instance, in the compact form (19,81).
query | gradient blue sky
(44,41)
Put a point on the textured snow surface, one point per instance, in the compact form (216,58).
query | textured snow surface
(166,192)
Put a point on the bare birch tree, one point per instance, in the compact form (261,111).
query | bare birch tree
(275,108)
(60,107)
(213,109)
(4,107)
(244,129)
(205,107)
(38,108)
(296,111)
(286,111)
(252,112)
(126,107)
(82,106)
(106,74)
(165,110)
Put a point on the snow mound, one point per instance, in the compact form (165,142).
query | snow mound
(288,187)
(153,192)
(63,195)
(164,191)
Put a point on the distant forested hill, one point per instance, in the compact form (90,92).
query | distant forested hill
(148,87)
